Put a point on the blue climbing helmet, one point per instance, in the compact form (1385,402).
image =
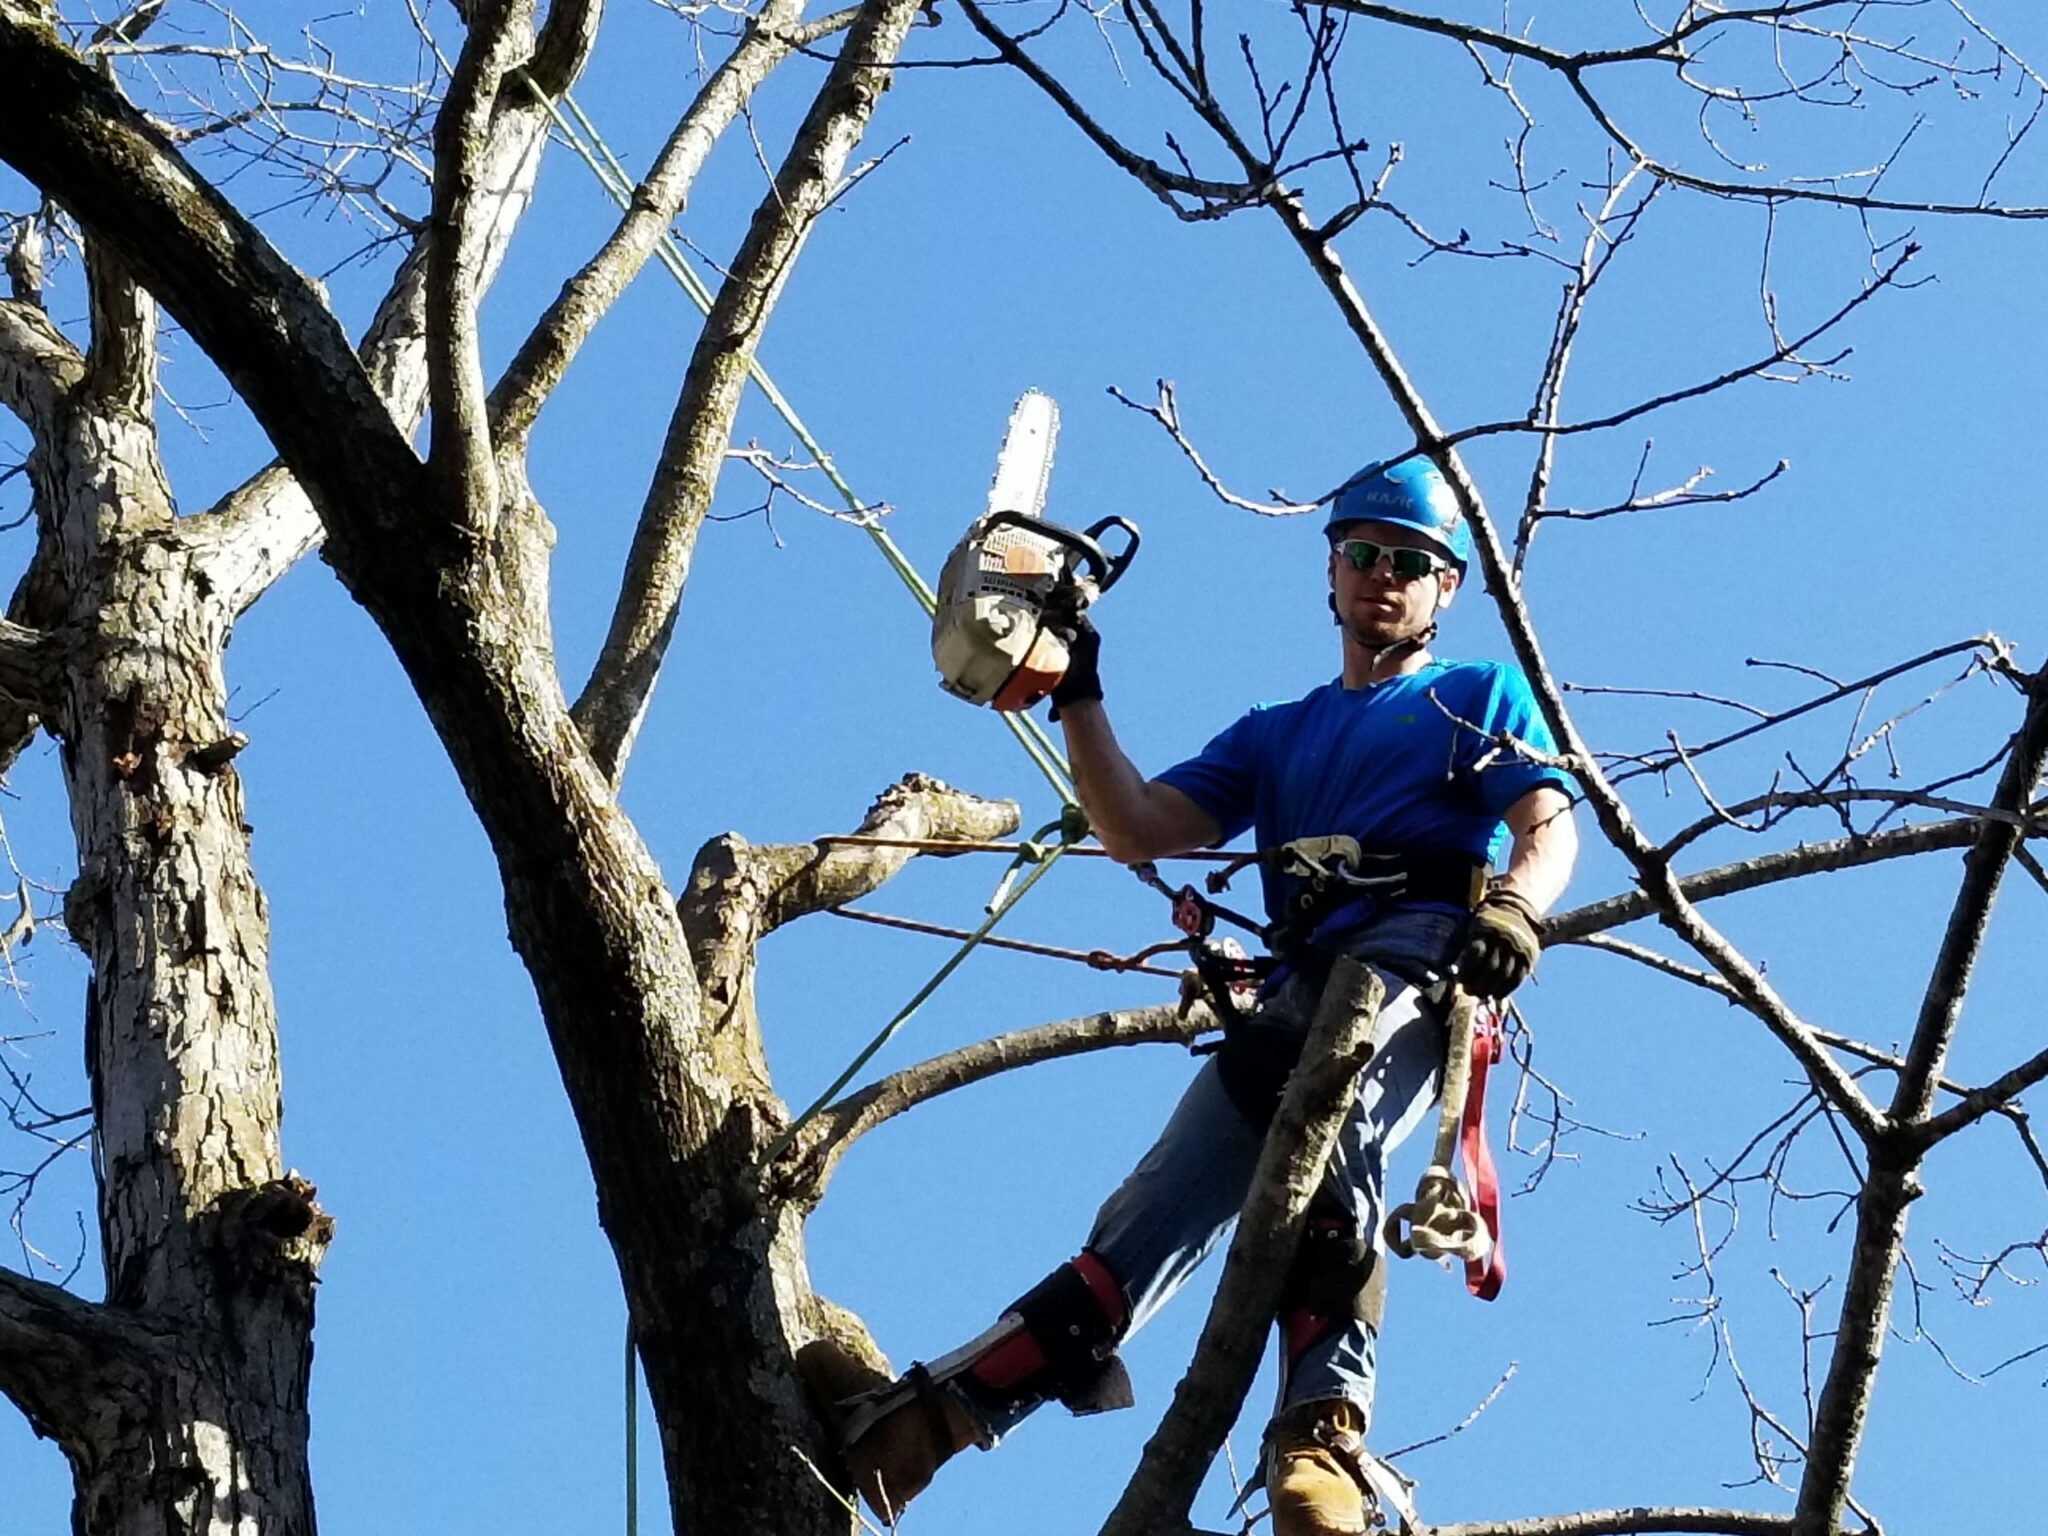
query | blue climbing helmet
(1409,493)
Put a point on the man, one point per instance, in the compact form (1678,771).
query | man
(1430,765)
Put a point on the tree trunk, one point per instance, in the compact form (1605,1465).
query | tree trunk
(207,1241)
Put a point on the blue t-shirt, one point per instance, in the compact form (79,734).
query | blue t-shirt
(1388,765)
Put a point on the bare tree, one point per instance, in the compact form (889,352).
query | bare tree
(1259,126)
(201,1345)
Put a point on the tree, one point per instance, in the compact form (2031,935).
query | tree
(210,1245)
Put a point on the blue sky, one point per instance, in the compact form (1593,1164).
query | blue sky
(469,1375)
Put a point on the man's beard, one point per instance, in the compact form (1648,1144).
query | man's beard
(1384,637)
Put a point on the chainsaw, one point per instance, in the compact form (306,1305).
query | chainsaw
(989,637)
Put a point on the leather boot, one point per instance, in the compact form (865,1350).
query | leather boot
(894,1434)
(1314,1479)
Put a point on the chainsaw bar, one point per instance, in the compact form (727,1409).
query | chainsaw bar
(1024,466)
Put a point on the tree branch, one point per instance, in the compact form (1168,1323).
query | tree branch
(460,456)
(1638,1521)
(65,1362)
(560,332)
(1209,1396)
(29,663)
(819,1145)
(1783,352)
(738,894)
(260,321)
(658,564)
(1993,1097)
(1893,1182)
(1766,869)
(1667,49)
(120,362)
(1166,185)
(1983,872)
(566,38)
(39,367)
(267,524)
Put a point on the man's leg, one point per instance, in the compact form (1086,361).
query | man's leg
(1057,1341)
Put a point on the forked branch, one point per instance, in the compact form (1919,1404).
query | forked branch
(658,564)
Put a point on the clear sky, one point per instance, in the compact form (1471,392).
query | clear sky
(469,1370)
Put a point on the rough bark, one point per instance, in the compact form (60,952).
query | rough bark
(181,1401)
(186,1409)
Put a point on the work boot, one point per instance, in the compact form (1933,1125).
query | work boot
(1315,1479)
(894,1434)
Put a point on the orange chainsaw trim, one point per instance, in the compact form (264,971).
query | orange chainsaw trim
(1039,673)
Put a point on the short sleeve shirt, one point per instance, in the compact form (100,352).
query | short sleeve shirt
(1426,762)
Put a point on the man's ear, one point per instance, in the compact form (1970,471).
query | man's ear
(1449,580)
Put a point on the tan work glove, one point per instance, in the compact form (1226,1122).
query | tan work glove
(1501,945)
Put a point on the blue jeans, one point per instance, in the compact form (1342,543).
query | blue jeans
(1184,1195)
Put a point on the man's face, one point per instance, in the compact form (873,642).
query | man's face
(1376,606)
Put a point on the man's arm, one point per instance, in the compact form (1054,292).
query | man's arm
(1505,935)
(1135,817)
(1544,844)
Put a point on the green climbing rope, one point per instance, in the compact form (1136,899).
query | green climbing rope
(612,176)
(1008,893)
(632,1431)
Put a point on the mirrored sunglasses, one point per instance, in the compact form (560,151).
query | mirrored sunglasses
(1408,562)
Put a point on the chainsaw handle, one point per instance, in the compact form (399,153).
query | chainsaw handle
(1104,568)
(1121,560)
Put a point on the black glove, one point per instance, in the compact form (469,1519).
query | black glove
(1065,617)
(1501,945)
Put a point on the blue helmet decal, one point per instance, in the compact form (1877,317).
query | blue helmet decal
(1408,493)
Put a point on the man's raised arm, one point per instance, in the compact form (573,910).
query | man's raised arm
(1135,817)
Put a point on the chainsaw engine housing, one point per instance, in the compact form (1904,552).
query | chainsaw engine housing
(987,637)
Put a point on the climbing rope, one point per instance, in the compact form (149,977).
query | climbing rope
(1070,827)
(632,1431)
(1097,959)
(605,166)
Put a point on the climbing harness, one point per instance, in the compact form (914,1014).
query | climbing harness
(1337,884)
(1444,1221)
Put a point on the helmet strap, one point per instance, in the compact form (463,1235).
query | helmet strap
(1394,648)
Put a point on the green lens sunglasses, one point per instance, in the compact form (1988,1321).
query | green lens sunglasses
(1408,563)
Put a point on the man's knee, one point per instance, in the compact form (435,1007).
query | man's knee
(1336,1279)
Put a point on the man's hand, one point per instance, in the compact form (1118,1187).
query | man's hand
(1064,617)
(1501,946)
